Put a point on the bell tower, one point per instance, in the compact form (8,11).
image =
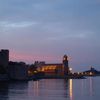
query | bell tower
(65,65)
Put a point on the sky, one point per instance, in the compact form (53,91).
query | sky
(45,30)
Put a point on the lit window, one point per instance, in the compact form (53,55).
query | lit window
(91,73)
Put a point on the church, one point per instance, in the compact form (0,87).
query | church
(55,68)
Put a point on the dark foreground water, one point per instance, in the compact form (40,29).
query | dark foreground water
(52,89)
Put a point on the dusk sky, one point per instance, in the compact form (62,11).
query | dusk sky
(45,30)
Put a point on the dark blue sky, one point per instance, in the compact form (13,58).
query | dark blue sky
(48,29)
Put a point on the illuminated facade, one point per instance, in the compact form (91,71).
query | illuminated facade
(51,69)
(55,69)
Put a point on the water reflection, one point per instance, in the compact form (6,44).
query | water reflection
(66,88)
(3,90)
(87,85)
(71,89)
(53,88)
(36,88)
(50,89)
(91,85)
(17,90)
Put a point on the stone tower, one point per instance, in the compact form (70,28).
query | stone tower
(65,65)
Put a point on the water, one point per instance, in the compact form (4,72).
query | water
(52,89)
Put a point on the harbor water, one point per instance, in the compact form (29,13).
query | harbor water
(52,89)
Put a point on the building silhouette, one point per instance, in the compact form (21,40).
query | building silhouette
(65,65)
(18,70)
(4,58)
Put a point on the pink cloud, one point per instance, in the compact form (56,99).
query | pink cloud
(18,56)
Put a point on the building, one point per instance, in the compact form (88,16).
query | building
(60,69)
(4,58)
(51,69)
(65,65)
(91,72)
(18,71)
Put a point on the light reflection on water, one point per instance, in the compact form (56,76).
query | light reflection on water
(91,86)
(51,89)
(71,89)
